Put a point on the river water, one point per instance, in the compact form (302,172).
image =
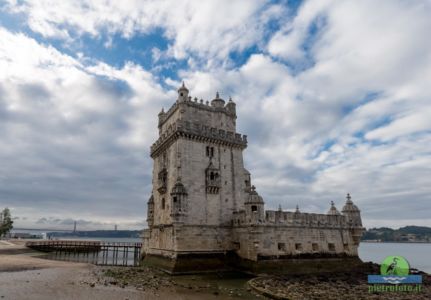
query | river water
(417,254)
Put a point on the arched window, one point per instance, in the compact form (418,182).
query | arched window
(253,208)
(163,203)
(212,176)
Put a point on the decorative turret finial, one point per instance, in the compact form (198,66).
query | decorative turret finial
(183,84)
(253,188)
(297,208)
(333,210)
(217,95)
(279,207)
(230,99)
(349,199)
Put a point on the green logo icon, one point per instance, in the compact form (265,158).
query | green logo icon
(395,265)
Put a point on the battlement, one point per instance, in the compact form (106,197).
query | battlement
(287,218)
(199,132)
(216,105)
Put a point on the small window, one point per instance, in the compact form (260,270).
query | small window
(208,151)
(281,246)
(163,203)
(331,246)
(175,199)
(181,94)
(315,247)
(237,246)
(346,247)
(212,176)
(253,208)
(212,151)
(298,247)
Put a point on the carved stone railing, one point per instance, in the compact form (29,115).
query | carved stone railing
(200,132)
(200,105)
(292,219)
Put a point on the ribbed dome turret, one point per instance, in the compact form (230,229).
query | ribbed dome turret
(333,210)
(349,206)
(183,93)
(217,101)
(254,196)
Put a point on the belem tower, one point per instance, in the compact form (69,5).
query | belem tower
(205,214)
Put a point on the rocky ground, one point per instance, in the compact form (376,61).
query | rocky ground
(221,286)
(345,285)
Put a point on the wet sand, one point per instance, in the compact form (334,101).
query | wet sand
(23,275)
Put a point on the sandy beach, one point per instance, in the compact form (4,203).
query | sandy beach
(23,275)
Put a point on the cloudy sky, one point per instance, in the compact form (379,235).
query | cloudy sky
(334,95)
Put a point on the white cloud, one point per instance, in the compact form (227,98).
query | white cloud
(347,113)
(74,136)
(208,29)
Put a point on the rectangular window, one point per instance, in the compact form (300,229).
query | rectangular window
(346,247)
(331,247)
(253,208)
(212,151)
(237,246)
(163,203)
(298,247)
(208,151)
(281,246)
(315,247)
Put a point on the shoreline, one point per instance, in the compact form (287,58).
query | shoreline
(24,275)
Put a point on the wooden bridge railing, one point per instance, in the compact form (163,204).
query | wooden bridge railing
(104,253)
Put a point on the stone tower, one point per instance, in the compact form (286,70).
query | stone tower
(199,178)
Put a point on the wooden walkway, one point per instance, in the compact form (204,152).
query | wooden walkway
(96,252)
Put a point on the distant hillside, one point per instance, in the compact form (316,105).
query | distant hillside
(98,234)
(413,234)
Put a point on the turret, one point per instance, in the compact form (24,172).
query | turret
(247,181)
(254,207)
(353,216)
(231,106)
(150,211)
(217,101)
(178,198)
(352,213)
(333,210)
(183,93)
(161,119)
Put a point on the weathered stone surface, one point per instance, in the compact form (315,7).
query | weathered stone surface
(203,203)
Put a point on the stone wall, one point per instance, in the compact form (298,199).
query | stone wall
(266,241)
